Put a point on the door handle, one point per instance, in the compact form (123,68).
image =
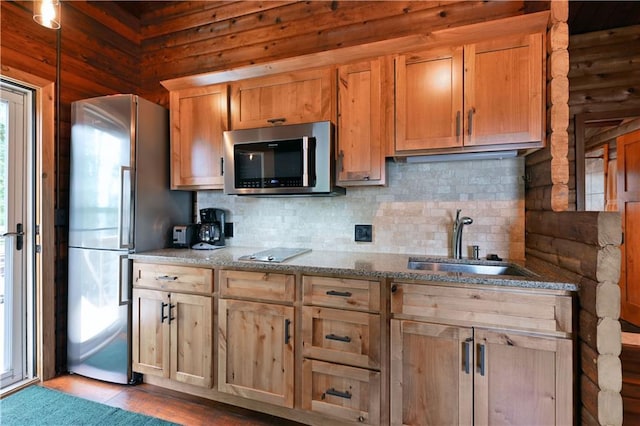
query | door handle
(19,234)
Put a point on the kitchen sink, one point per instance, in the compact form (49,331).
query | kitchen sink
(493,268)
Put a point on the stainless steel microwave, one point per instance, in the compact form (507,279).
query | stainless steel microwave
(281,160)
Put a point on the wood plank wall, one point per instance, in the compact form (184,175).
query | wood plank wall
(99,56)
(604,76)
(195,37)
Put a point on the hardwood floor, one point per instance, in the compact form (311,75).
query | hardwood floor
(157,402)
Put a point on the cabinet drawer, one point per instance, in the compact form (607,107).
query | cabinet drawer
(544,312)
(257,285)
(173,278)
(344,293)
(342,336)
(347,393)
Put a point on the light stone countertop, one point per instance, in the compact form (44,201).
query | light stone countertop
(359,264)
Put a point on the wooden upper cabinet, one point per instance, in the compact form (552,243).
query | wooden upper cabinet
(362,123)
(429,100)
(503,91)
(288,98)
(199,116)
(482,94)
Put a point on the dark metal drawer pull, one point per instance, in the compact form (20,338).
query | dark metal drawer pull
(332,336)
(339,293)
(166,278)
(339,394)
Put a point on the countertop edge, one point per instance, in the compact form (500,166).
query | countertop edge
(364,265)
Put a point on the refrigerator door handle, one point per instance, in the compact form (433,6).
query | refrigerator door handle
(126,270)
(125,231)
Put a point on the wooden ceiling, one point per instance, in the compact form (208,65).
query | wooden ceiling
(584,16)
(590,16)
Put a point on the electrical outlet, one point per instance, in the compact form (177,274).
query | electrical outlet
(364,233)
(228,230)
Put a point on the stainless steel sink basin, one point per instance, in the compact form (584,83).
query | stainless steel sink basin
(467,268)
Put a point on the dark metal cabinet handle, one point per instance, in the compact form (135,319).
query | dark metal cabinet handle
(471,112)
(482,365)
(162,315)
(332,336)
(339,293)
(467,355)
(287,334)
(276,120)
(458,121)
(171,317)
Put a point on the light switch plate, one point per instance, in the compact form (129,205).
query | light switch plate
(364,233)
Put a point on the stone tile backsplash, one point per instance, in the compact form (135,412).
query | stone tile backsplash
(413,214)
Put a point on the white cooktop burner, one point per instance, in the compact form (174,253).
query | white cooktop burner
(276,254)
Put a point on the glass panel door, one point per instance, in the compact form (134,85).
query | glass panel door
(14,134)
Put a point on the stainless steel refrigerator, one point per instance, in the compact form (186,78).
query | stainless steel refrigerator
(119,203)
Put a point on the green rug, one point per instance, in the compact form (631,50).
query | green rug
(36,405)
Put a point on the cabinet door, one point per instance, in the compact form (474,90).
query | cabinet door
(503,91)
(191,339)
(255,351)
(429,100)
(522,380)
(361,124)
(289,98)
(198,119)
(150,332)
(431,374)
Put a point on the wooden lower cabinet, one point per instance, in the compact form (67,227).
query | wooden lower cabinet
(255,351)
(452,375)
(172,336)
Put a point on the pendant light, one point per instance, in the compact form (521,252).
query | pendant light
(47,13)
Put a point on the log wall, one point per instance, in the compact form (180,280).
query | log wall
(604,76)
(586,245)
(99,55)
(547,170)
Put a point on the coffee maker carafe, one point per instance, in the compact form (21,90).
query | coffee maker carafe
(211,229)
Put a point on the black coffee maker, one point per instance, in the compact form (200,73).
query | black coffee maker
(210,229)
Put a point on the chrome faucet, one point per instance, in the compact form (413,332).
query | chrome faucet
(456,235)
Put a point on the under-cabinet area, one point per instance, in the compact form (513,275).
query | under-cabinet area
(341,346)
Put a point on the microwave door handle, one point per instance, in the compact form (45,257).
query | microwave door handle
(305,161)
